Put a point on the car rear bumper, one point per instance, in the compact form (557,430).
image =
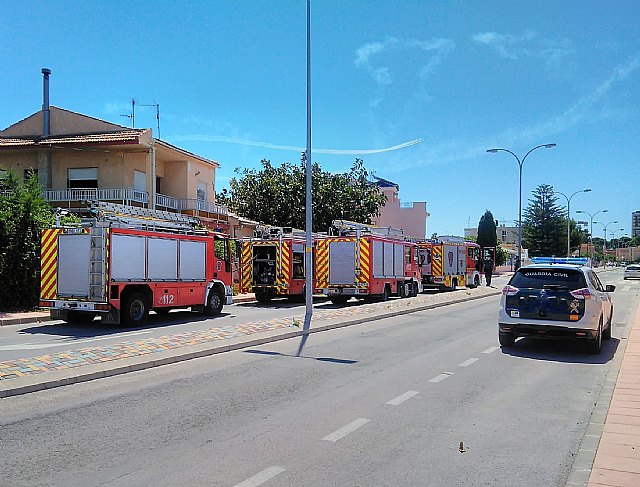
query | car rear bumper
(547,331)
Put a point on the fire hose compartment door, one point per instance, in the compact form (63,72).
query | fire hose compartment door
(342,264)
(74,254)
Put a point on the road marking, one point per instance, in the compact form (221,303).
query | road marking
(38,346)
(345,430)
(491,350)
(626,288)
(402,398)
(441,377)
(468,362)
(261,477)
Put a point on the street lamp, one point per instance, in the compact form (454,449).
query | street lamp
(520,163)
(604,247)
(568,198)
(591,228)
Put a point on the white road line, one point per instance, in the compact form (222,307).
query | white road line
(468,362)
(261,477)
(491,350)
(345,430)
(441,377)
(402,398)
(626,288)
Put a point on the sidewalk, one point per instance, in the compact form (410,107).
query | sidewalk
(617,461)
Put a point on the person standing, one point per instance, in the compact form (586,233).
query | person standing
(488,269)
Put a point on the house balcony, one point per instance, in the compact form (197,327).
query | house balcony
(77,198)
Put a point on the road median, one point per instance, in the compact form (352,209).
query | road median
(22,376)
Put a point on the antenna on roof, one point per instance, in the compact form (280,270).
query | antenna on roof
(133,114)
(154,104)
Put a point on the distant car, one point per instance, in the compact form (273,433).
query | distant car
(559,299)
(631,271)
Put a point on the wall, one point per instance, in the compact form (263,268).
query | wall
(412,220)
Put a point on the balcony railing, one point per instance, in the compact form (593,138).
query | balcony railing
(129,196)
(125,195)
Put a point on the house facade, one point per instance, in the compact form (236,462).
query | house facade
(411,217)
(79,158)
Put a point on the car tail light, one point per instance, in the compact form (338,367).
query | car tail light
(583,293)
(509,290)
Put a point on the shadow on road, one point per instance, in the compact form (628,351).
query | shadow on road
(561,351)
(99,329)
(319,359)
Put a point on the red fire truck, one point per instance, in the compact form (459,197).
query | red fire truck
(273,264)
(128,261)
(449,262)
(365,261)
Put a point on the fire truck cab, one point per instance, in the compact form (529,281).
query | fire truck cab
(449,262)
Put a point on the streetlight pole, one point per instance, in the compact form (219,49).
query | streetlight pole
(568,198)
(520,163)
(604,247)
(591,252)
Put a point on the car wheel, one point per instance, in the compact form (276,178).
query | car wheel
(506,339)
(606,334)
(594,346)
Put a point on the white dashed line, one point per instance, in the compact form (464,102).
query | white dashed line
(491,350)
(468,362)
(261,477)
(626,288)
(441,377)
(345,430)
(403,397)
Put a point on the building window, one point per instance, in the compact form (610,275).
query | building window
(85,177)
(140,180)
(27,173)
(201,192)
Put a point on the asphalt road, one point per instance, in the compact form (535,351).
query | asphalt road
(385,403)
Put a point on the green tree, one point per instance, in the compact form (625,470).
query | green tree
(487,236)
(544,228)
(276,195)
(24,213)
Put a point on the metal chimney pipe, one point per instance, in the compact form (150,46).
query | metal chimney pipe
(46,127)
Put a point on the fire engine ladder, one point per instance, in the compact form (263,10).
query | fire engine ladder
(97,263)
(143,218)
(345,227)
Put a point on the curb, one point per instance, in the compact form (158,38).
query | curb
(14,387)
(45,318)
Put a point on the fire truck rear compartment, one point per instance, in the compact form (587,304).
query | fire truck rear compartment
(264,265)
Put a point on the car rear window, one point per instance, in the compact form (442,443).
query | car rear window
(633,267)
(550,277)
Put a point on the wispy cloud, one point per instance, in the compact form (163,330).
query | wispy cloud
(268,145)
(382,74)
(528,44)
(582,109)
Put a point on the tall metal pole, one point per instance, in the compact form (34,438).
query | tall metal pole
(309,239)
(520,163)
(568,198)
(591,217)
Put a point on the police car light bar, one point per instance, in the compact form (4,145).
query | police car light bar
(560,260)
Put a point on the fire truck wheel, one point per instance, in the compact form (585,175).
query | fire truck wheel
(476,281)
(79,318)
(414,290)
(214,304)
(454,284)
(135,310)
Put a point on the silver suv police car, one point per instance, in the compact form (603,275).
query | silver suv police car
(556,299)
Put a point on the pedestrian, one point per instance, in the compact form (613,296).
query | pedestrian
(488,269)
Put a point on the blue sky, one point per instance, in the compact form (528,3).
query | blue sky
(462,77)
